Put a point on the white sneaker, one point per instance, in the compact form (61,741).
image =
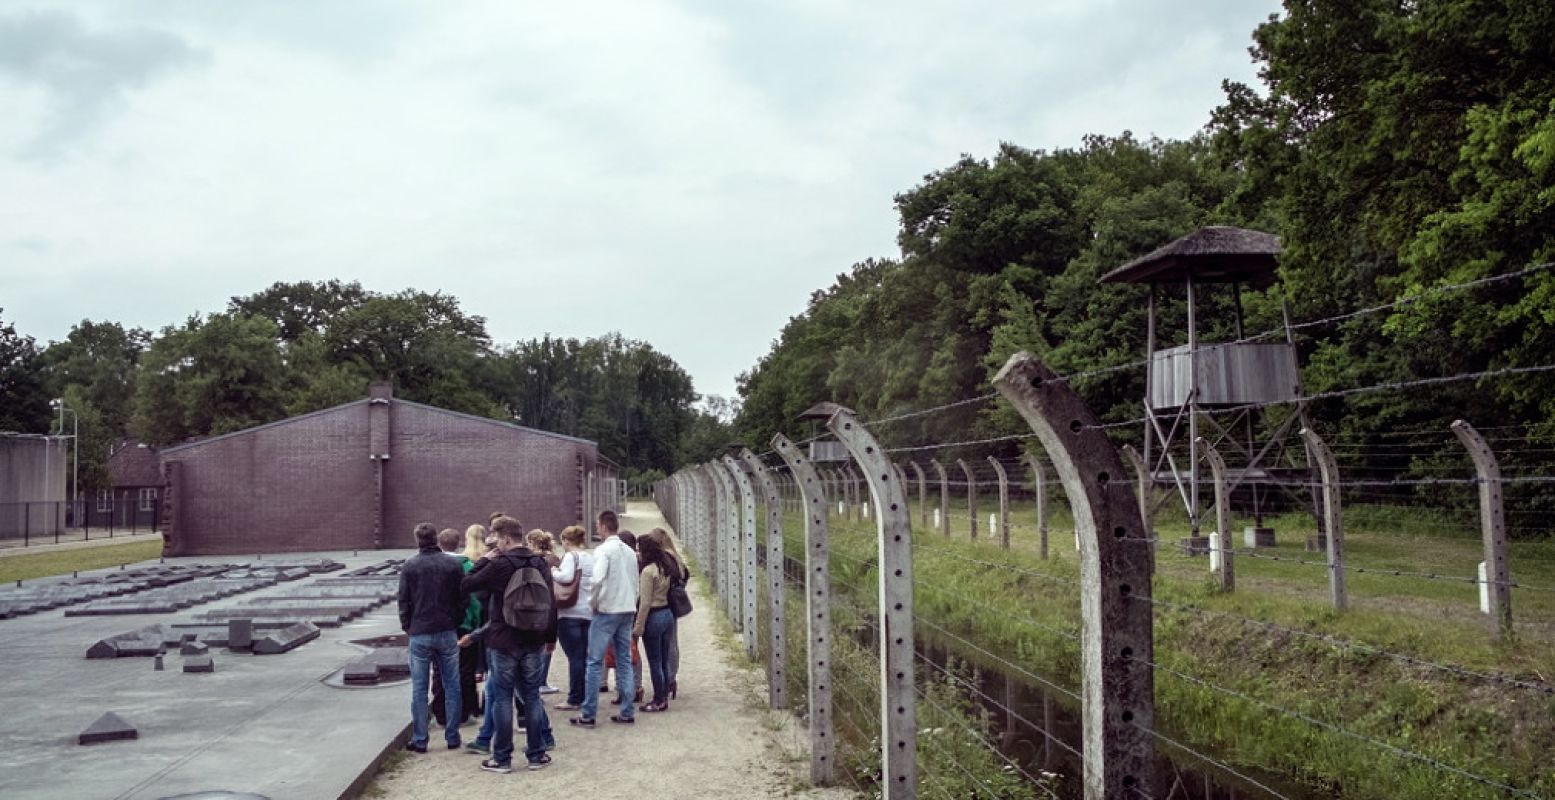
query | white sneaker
(548,689)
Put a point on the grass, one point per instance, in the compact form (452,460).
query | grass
(1498,731)
(60,562)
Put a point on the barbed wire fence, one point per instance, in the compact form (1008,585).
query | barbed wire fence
(1015,624)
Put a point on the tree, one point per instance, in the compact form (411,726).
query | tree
(24,402)
(210,376)
(303,307)
(423,343)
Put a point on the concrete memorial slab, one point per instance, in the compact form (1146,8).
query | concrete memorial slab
(288,638)
(108,727)
(280,731)
(199,664)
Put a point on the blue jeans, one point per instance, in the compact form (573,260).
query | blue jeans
(573,636)
(613,630)
(658,633)
(444,647)
(518,669)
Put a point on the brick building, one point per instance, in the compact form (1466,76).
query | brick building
(363,474)
(134,501)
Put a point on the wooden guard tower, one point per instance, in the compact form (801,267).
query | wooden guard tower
(1209,390)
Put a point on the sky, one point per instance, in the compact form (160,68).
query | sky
(685,172)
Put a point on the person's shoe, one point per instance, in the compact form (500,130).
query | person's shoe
(453,745)
(674,687)
(492,766)
(415,748)
(566,707)
(477,747)
(581,722)
(617,718)
(548,689)
(603,687)
(539,763)
(662,705)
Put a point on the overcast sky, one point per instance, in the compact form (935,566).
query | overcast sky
(683,172)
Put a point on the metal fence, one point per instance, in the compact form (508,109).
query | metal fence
(53,522)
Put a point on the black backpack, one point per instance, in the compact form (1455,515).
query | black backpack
(679,600)
(527,602)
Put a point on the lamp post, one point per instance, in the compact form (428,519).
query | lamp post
(75,452)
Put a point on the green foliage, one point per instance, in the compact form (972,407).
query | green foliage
(210,376)
(632,399)
(24,406)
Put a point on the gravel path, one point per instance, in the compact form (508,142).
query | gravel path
(717,742)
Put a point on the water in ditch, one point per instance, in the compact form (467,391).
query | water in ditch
(1040,731)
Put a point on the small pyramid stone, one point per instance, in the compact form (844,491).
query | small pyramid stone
(108,727)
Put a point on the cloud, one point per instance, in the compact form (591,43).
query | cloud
(684,171)
(85,72)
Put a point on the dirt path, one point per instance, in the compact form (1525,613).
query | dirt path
(715,743)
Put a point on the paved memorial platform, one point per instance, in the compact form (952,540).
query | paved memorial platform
(265,724)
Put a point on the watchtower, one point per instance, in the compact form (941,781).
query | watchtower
(1217,389)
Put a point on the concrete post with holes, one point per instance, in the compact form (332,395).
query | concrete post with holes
(971,495)
(1222,550)
(817,609)
(923,494)
(725,532)
(1142,487)
(745,547)
(777,679)
(1496,580)
(1333,517)
(898,693)
(1039,486)
(944,496)
(1116,562)
(1004,502)
(709,491)
(901,480)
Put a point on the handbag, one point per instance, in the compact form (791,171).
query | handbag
(567,593)
(679,599)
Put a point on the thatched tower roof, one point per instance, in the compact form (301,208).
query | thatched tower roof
(1216,254)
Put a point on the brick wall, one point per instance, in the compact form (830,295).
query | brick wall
(452,470)
(308,483)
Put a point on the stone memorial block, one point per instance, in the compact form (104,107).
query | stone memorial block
(361,673)
(240,633)
(144,642)
(194,649)
(107,728)
(288,638)
(199,664)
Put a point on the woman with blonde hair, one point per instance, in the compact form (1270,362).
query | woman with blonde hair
(666,543)
(475,542)
(571,577)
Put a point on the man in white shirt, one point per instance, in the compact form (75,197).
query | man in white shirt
(613,590)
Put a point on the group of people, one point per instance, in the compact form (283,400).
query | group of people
(496,601)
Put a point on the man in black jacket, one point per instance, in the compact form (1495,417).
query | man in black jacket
(516,656)
(431,608)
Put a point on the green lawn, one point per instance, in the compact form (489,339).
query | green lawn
(60,562)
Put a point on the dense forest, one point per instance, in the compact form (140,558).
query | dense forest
(299,347)
(1396,147)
